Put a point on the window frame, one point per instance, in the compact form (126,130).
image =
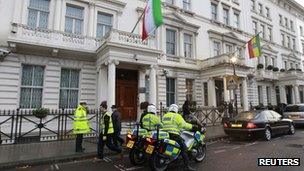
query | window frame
(31,87)
(38,15)
(218,51)
(214,11)
(169,91)
(187,5)
(226,17)
(171,43)
(190,44)
(69,88)
(74,19)
(104,25)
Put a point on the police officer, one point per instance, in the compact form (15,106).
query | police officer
(173,123)
(81,124)
(106,136)
(150,120)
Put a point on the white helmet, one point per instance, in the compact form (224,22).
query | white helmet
(173,108)
(151,109)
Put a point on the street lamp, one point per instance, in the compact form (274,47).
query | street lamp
(233,60)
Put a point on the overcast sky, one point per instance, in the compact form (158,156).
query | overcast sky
(301,2)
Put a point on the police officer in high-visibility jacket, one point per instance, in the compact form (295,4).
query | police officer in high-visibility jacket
(174,124)
(106,136)
(81,124)
(150,120)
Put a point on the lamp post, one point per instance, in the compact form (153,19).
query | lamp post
(233,60)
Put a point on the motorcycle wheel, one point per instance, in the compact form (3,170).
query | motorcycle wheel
(201,153)
(137,157)
(157,163)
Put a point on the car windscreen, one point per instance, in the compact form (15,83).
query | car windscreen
(294,108)
(246,116)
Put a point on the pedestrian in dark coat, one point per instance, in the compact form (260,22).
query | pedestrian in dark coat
(116,118)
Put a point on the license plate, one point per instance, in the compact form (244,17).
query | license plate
(294,117)
(150,149)
(130,144)
(236,125)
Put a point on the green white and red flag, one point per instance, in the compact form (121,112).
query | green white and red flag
(152,18)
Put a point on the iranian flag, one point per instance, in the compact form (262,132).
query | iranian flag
(152,18)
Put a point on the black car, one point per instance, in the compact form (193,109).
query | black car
(258,123)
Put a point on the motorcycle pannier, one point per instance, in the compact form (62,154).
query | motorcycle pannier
(172,148)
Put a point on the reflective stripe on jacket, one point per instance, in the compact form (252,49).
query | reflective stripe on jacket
(81,123)
(149,121)
(174,123)
(102,124)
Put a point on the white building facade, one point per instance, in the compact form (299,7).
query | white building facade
(64,51)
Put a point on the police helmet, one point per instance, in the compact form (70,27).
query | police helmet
(151,109)
(173,108)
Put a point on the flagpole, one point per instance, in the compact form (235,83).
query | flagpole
(138,21)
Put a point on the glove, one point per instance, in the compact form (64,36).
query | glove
(104,138)
(195,128)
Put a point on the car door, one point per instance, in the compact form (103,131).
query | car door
(282,125)
(271,121)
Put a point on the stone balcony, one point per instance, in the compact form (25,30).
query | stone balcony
(220,60)
(270,75)
(129,39)
(24,36)
(292,74)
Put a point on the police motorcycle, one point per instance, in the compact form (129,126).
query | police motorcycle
(167,151)
(136,144)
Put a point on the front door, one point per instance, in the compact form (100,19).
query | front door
(126,93)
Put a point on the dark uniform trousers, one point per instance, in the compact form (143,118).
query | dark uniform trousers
(79,138)
(109,142)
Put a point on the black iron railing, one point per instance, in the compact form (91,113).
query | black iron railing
(20,126)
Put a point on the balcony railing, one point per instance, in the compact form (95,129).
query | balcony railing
(126,38)
(51,38)
(267,74)
(221,59)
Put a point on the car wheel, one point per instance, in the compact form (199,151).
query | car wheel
(292,129)
(267,134)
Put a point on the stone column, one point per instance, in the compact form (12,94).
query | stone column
(226,92)
(102,85)
(245,94)
(283,98)
(57,15)
(211,93)
(152,85)
(293,94)
(296,94)
(111,81)
(91,20)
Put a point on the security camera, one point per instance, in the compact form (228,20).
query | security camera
(3,54)
(165,72)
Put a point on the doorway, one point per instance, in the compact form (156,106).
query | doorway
(126,93)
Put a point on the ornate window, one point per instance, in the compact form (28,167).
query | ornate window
(104,24)
(69,88)
(171,42)
(38,13)
(74,19)
(170,91)
(31,86)
(188,46)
